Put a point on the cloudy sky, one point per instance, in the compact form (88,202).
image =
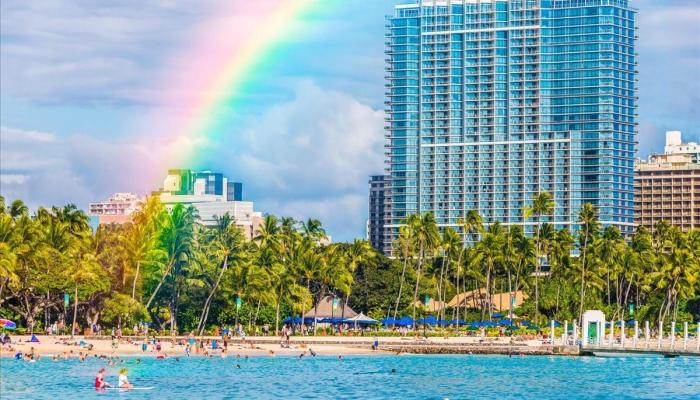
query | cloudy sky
(77,76)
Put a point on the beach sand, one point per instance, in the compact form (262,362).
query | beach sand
(252,346)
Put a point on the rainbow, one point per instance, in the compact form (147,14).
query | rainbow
(203,80)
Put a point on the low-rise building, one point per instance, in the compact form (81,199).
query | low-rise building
(117,209)
(667,186)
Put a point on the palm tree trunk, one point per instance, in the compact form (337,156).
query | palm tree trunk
(320,297)
(75,313)
(160,283)
(255,317)
(202,319)
(398,298)
(440,288)
(415,291)
(277,315)
(136,276)
(583,276)
(303,306)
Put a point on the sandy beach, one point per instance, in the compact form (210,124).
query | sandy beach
(258,346)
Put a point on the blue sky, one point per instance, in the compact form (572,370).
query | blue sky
(75,75)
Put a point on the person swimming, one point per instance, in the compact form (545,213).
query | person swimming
(100,380)
(123,380)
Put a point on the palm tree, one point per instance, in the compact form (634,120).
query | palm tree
(285,286)
(226,244)
(404,246)
(17,209)
(610,244)
(560,262)
(488,253)
(359,252)
(176,239)
(141,239)
(268,233)
(542,205)
(86,275)
(451,245)
(312,229)
(588,231)
(425,236)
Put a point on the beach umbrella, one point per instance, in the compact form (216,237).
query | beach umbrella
(388,321)
(405,321)
(457,322)
(334,320)
(488,323)
(557,324)
(506,321)
(7,324)
(291,320)
(497,315)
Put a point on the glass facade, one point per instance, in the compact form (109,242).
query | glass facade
(490,102)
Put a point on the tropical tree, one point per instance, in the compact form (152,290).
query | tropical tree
(425,237)
(588,231)
(542,205)
(226,244)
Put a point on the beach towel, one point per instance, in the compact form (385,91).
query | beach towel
(34,339)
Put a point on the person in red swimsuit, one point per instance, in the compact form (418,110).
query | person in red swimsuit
(100,380)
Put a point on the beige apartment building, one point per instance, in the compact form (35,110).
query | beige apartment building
(667,186)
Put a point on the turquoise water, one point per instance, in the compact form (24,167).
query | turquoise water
(369,377)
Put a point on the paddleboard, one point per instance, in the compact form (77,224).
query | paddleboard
(134,388)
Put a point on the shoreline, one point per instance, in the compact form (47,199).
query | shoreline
(271,346)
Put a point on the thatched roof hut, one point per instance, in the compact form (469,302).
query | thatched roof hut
(325,309)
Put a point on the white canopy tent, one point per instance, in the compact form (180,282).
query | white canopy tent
(362,319)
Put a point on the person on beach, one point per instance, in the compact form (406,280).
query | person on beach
(100,380)
(123,380)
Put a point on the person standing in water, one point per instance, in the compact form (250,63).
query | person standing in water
(123,380)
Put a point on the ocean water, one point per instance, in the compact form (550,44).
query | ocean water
(367,377)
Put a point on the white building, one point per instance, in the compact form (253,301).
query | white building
(212,195)
(674,145)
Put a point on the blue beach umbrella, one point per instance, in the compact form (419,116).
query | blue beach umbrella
(506,321)
(332,320)
(388,321)
(405,321)
(497,315)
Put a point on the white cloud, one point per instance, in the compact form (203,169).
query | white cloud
(311,157)
(13,179)
(308,157)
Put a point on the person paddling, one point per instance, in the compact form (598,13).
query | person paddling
(100,380)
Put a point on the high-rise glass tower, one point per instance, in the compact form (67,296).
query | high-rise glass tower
(490,102)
